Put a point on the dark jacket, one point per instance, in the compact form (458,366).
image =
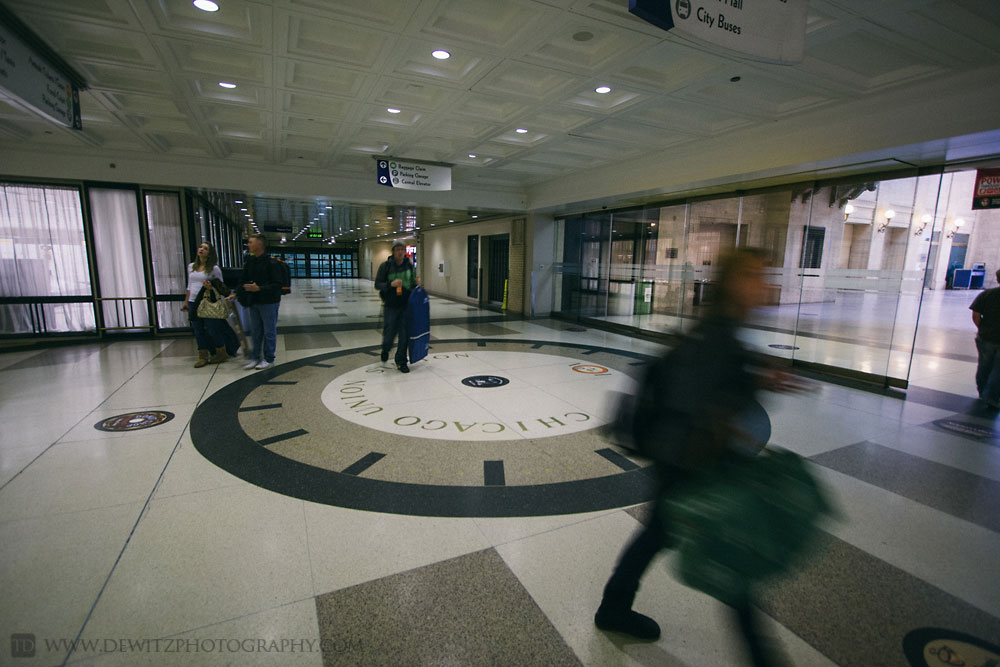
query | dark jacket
(695,399)
(260,270)
(389,271)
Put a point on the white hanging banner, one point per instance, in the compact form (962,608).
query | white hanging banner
(772,31)
(395,173)
(36,84)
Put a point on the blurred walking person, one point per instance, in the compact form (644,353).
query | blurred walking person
(689,414)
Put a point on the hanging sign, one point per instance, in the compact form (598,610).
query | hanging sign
(35,83)
(987,190)
(395,173)
(772,31)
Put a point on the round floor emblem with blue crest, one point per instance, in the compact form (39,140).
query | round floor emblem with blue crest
(134,421)
(930,647)
(484,381)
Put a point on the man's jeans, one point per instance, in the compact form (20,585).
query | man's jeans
(264,327)
(395,324)
(988,370)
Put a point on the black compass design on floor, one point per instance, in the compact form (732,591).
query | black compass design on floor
(273,430)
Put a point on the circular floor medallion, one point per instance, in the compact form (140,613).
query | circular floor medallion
(485,381)
(937,647)
(344,429)
(134,421)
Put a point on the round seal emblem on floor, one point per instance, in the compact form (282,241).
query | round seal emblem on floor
(480,427)
(930,647)
(484,381)
(134,421)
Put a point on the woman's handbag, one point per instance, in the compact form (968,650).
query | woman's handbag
(213,306)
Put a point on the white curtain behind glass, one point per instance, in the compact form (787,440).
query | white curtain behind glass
(43,253)
(119,257)
(163,217)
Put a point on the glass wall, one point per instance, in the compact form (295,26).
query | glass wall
(320,264)
(118,246)
(848,270)
(45,284)
(167,261)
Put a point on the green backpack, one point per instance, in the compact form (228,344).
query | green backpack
(743,522)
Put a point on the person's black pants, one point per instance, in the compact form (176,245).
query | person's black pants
(395,325)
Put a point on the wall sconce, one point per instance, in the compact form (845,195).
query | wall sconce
(924,221)
(958,225)
(889,215)
(847,211)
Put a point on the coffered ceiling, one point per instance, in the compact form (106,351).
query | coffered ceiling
(315,79)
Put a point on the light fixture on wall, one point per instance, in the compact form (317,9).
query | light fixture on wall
(924,221)
(959,222)
(889,215)
(847,211)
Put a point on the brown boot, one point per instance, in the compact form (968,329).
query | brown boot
(202,358)
(219,357)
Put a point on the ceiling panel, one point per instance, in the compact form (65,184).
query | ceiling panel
(333,42)
(315,77)
(241,22)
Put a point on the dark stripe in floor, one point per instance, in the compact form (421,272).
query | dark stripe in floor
(486,329)
(470,610)
(364,463)
(75,353)
(284,436)
(493,473)
(943,399)
(362,325)
(332,314)
(856,609)
(310,341)
(617,459)
(185,347)
(251,408)
(955,492)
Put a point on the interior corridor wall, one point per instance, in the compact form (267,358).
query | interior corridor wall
(370,255)
(449,247)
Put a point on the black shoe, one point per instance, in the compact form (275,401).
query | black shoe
(628,622)
(385,356)
(403,368)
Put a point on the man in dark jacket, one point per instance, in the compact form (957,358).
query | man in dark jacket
(260,294)
(394,281)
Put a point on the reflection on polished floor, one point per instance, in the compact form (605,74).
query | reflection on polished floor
(138,546)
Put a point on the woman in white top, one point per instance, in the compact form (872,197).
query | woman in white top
(206,331)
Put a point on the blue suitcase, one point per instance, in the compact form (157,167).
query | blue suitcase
(418,323)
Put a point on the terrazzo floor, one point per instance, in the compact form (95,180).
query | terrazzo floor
(133,548)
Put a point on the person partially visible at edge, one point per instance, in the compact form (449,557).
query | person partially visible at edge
(697,422)
(207,335)
(260,293)
(394,280)
(986,316)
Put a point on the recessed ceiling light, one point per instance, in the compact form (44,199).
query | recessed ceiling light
(391,110)
(521,130)
(226,84)
(602,90)
(475,216)
(206,5)
(472,155)
(237,201)
(451,220)
(441,54)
